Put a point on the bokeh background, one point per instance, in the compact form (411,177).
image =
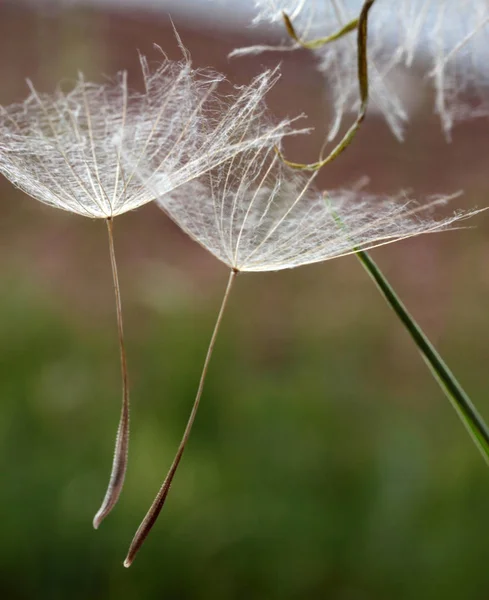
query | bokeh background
(325,462)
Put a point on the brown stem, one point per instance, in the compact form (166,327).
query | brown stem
(152,514)
(119,463)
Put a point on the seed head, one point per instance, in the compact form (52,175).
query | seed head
(256,214)
(95,149)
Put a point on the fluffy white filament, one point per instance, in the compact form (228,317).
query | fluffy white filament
(81,150)
(256,214)
(446,39)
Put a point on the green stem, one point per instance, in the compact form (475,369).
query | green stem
(362,68)
(314,44)
(459,399)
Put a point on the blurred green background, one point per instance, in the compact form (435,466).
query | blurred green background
(325,461)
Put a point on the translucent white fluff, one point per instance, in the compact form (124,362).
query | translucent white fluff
(256,214)
(81,150)
(446,39)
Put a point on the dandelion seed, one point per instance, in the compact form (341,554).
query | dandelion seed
(84,151)
(255,214)
(448,37)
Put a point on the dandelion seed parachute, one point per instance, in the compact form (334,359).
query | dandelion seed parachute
(84,151)
(256,214)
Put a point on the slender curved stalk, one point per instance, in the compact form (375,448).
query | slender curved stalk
(363,86)
(119,463)
(155,509)
(314,44)
(460,401)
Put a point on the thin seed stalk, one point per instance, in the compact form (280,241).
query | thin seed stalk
(119,463)
(460,401)
(155,509)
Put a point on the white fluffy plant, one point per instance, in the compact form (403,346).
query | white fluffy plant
(445,40)
(80,150)
(256,214)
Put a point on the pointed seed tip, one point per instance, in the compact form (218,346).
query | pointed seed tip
(127,563)
(97,520)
